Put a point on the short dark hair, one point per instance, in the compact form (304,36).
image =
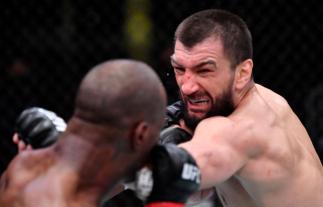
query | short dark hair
(231,29)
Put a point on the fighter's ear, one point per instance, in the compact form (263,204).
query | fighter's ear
(243,73)
(140,135)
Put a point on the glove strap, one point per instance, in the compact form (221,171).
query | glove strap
(165,204)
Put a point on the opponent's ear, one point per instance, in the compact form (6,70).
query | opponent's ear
(243,74)
(140,135)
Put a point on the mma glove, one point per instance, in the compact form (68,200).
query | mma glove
(174,113)
(39,127)
(176,176)
(170,132)
(174,135)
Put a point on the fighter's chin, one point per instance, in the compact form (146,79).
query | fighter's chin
(197,115)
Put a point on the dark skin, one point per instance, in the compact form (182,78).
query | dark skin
(99,147)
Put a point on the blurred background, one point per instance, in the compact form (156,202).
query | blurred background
(47,46)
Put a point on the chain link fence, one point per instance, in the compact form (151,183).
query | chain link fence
(47,46)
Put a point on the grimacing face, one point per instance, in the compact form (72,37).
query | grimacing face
(205,80)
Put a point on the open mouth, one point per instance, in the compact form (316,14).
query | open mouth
(198,105)
(198,101)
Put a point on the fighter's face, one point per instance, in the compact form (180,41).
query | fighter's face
(205,80)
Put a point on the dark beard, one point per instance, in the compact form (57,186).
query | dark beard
(222,107)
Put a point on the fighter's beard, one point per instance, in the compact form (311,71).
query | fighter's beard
(223,106)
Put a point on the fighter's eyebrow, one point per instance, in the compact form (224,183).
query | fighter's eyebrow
(199,65)
(205,62)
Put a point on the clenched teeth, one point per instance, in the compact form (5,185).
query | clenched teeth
(195,101)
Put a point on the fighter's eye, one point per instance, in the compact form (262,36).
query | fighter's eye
(204,70)
(179,70)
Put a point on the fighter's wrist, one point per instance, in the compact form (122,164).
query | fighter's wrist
(164,204)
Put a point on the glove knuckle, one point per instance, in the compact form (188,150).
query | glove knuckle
(39,127)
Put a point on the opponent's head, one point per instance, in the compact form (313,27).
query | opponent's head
(212,63)
(124,101)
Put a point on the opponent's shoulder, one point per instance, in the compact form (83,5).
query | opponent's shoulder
(15,177)
(28,164)
(19,162)
(30,159)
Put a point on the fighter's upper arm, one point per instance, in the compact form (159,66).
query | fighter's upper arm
(216,148)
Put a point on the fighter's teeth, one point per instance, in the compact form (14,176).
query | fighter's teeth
(198,101)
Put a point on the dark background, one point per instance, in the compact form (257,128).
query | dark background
(47,46)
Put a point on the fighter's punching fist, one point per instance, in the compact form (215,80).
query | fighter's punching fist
(176,176)
(174,113)
(171,132)
(39,127)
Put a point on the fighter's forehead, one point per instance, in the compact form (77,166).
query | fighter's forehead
(209,50)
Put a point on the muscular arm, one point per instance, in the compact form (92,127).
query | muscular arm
(9,187)
(219,150)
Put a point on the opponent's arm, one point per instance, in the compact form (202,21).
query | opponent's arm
(38,127)
(218,149)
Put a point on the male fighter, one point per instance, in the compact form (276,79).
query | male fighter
(247,141)
(104,142)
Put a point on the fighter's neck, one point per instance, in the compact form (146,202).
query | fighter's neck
(85,145)
(92,168)
(78,152)
(244,93)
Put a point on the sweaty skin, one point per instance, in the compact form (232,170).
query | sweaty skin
(24,173)
(260,155)
(39,172)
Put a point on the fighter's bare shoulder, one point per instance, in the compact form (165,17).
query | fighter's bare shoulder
(274,100)
(25,166)
(215,125)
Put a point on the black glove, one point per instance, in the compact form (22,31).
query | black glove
(39,127)
(174,113)
(169,133)
(174,135)
(175,175)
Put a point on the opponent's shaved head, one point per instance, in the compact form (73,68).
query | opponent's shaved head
(117,92)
